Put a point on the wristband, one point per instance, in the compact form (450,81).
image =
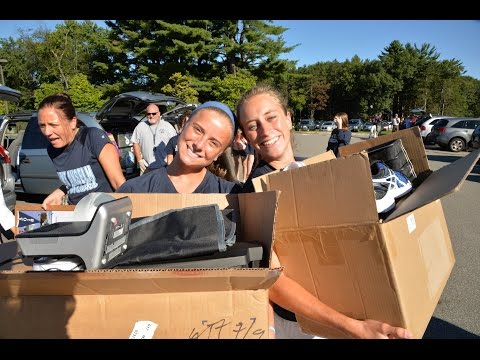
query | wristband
(64,189)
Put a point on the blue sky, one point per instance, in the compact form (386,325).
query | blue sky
(328,40)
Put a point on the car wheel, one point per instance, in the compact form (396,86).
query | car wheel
(456,144)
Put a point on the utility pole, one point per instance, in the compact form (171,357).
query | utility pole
(3,61)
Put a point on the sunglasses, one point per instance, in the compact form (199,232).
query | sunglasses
(152,114)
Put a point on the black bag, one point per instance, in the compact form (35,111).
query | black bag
(179,233)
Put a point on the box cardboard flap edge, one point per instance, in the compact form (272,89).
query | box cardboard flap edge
(116,282)
(440,183)
(261,183)
(325,181)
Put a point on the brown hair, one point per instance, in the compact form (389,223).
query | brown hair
(183,119)
(344,117)
(262,89)
(61,102)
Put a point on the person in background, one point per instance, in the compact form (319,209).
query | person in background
(171,148)
(373,131)
(266,123)
(396,123)
(85,159)
(340,136)
(244,155)
(150,137)
(207,133)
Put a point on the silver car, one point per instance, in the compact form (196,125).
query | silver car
(426,126)
(454,133)
(7,179)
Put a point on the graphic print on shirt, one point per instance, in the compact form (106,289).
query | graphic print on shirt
(79,180)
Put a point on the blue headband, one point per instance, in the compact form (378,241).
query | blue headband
(218,105)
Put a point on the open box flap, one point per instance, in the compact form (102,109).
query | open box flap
(440,183)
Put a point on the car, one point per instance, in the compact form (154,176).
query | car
(318,124)
(355,125)
(367,126)
(306,125)
(328,126)
(426,124)
(454,133)
(20,134)
(7,179)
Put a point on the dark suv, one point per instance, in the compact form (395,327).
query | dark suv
(20,134)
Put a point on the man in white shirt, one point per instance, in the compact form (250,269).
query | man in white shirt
(396,123)
(150,134)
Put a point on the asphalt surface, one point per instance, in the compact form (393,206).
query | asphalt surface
(457,315)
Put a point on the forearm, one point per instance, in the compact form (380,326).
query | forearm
(55,198)
(292,296)
(137,152)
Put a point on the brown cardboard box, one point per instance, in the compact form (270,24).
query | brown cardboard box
(329,237)
(172,303)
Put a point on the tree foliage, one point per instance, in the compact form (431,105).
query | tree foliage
(182,87)
(199,60)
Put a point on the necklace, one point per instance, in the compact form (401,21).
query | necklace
(154,132)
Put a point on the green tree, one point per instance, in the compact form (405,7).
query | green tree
(46,89)
(229,89)
(85,96)
(181,86)
(151,51)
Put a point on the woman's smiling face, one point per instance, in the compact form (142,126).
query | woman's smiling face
(266,126)
(205,136)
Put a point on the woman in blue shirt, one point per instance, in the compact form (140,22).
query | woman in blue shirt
(206,135)
(266,123)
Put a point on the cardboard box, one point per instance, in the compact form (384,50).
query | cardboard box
(172,303)
(329,237)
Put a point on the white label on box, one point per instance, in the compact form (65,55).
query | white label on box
(411,223)
(143,330)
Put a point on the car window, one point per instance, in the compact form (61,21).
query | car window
(471,124)
(441,122)
(459,125)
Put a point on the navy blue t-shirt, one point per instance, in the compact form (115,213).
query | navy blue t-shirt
(160,153)
(338,137)
(157,181)
(262,168)
(171,148)
(77,164)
